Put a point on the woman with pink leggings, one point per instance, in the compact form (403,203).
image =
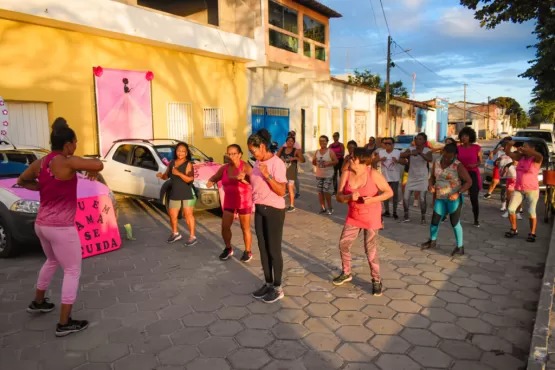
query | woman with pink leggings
(55,224)
(363,189)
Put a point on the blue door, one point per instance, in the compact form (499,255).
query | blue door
(275,120)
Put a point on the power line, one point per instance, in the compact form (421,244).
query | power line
(376,22)
(429,69)
(384,17)
(356,47)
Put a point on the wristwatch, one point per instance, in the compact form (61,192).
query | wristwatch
(270,177)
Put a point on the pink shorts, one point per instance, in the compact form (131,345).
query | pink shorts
(510,184)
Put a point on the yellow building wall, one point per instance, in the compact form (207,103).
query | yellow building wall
(51,65)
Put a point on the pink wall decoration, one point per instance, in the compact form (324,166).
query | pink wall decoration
(96,223)
(124,110)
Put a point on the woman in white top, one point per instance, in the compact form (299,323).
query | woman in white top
(324,160)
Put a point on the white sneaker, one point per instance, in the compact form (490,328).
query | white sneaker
(505,215)
(503,208)
(518,216)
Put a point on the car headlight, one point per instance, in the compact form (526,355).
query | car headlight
(25,206)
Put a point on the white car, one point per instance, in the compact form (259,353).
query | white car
(18,206)
(540,134)
(131,165)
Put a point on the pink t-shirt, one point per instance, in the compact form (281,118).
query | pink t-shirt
(527,175)
(262,193)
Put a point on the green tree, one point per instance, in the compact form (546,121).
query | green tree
(543,111)
(366,78)
(542,70)
(512,108)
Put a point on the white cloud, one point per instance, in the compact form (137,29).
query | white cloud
(414,3)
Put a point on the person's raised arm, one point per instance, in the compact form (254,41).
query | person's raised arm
(276,186)
(84,164)
(188,176)
(165,175)
(341,197)
(383,187)
(429,156)
(299,156)
(405,154)
(515,156)
(465,177)
(217,177)
(28,179)
(538,157)
(334,159)
(432,179)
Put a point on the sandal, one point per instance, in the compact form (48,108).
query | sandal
(531,238)
(511,234)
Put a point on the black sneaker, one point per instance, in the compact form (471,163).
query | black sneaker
(228,252)
(395,216)
(386,214)
(72,326)
(476,224)
(458,251)
(43,307)
(377,288)
(174,237)
(487,196)
(291,209)
(260,293)
(298,195)
(343,278)
(323,211)
(330,211)
(191,242)
(406,219)
(423,220)
(430,244)
(247,256)
(444,218)
(274,295)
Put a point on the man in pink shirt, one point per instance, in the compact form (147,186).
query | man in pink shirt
(293,134)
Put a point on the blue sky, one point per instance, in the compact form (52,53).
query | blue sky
(442,35)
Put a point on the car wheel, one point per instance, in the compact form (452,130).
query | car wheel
(7,244)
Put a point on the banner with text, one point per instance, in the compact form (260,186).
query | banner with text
(97,226)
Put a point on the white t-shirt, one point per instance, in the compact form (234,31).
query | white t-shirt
(418,172)
(510,173)
(390,169)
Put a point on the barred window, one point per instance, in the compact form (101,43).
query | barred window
(213,122)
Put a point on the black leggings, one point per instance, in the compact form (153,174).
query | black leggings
(395,187)
(268,223)
(337,174)
(474,192)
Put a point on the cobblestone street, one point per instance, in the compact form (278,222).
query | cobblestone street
(157,306)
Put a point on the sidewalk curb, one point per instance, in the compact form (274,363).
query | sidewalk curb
(538,356)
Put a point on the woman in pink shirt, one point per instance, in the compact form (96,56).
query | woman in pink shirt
(237,200)
(363,188)
(526,187)
(470,155)
(268,179)
(54,176)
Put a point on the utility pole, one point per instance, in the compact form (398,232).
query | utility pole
(387,87)
(465,105)
(487,126)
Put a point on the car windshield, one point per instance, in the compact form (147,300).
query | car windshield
(545,135)
(14,162)
(404,139)
(166,153)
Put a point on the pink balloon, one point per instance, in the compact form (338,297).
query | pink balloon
(149,76)
(98,71)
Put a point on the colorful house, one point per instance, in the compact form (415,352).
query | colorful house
(128,68)
(289,85)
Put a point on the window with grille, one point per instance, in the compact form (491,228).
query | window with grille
(213,122)
(180,123)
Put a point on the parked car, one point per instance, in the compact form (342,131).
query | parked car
(540,146)
(540,134)
(19,207)
(403,142)
(131,165)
